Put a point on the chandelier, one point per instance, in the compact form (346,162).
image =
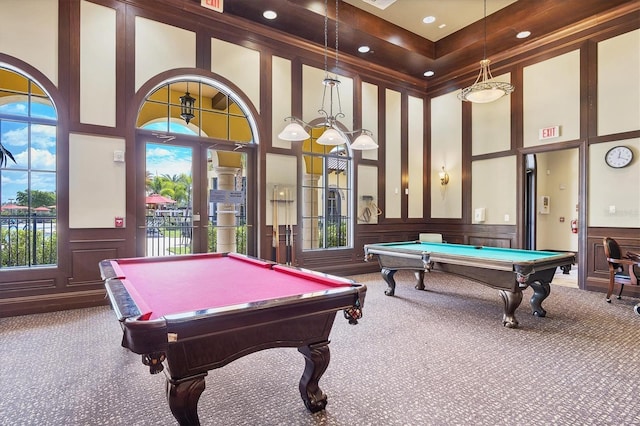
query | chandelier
(295,130)
(484,91)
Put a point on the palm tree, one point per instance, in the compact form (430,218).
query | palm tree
(4,155)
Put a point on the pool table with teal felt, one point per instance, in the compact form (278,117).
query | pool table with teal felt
(190,314)
(507,270)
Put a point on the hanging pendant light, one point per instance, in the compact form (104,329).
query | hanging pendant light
(483,90)
(295,130)
(186,106)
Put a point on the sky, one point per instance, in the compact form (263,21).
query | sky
(32,145)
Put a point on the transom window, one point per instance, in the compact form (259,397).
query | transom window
(28,135)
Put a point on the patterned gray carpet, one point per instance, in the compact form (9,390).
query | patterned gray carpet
(437,357)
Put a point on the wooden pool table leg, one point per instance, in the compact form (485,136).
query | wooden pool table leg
(511,301)
(183,396)
(316,358)
(387,276)
(541,291)
(420,278)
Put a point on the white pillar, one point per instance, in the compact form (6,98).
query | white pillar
(226,212)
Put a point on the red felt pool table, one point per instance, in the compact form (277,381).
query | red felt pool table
(190,314)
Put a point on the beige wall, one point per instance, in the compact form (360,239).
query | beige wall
(369,107)
(29,32)
(551,97)
(494,189)
(97,64)
(416,155)
(617,188)
(160,47)
(491,124)
(240,65)
(393,173)
(619,84)
(368,195)
(446,150)
(97,188)
(281,99)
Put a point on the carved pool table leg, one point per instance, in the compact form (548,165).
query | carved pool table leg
(316,358)
(511,301)
(420,278)
(183,398)
(541,291)
(387,276)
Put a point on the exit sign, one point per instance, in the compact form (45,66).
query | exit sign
(216,5)
(549,132)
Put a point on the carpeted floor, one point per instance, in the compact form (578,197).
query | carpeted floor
(437,357)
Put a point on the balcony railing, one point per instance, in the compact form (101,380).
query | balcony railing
(27,241)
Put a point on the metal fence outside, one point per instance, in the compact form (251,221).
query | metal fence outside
(27,240)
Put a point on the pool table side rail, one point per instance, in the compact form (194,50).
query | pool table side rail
(143,336)
(558,259)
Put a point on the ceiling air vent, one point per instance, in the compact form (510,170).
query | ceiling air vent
(380,4)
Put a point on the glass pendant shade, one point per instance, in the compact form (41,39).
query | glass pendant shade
(331,137)
(294,132)
(364,142)
(485,95)
(484,90)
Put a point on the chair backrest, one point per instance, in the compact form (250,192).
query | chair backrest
(612,250)
(430,238)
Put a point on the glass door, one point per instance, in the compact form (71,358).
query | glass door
(227,201)
(169,217)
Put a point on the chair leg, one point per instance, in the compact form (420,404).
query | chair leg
(620,293)
(637,308)
(610,289)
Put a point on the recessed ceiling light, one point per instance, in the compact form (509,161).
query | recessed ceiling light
(364,49)
(523,34)
(442,25)
(429,19)
(270,14)
(429,73)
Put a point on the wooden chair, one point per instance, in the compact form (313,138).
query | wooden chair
(619,267)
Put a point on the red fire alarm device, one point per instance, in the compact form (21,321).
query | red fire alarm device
(119,222)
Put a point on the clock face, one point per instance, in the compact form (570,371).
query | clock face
(619,156)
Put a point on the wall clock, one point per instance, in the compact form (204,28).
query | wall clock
(618,157)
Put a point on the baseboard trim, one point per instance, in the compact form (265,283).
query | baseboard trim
(51,302)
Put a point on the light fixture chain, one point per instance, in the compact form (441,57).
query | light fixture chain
(485,30)
(326,37)
(337,50)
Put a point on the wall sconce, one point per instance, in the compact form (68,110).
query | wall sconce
(444,177)
(186,106)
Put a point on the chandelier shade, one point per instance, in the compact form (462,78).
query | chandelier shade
(484,89)
(331,137)
(295,130)
(364,142)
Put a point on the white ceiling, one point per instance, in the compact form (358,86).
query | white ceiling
(454,14)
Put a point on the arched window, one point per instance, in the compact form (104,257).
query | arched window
(327,195)
(28,129)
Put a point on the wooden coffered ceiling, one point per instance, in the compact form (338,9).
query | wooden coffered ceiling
(409,53)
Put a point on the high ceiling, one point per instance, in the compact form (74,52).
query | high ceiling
(450,15)
(399,40)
